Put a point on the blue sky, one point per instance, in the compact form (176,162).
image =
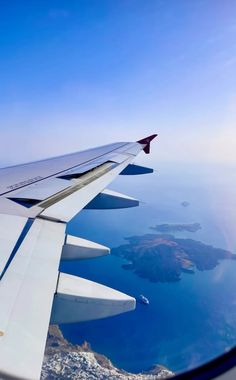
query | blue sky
(75,74)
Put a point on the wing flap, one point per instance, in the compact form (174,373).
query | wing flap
(41,190)
(21,176)
(24,187)
(66,208)
(27,291)
(11,227)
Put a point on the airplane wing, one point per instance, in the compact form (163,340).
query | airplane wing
(36,202)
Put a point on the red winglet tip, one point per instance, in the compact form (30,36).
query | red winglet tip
(146,141)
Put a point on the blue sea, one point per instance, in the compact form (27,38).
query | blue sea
(189,322)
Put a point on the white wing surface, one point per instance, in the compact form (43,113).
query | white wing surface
(36,202)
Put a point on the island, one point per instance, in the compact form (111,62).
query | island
(172,228)
(63,360)
(163,257)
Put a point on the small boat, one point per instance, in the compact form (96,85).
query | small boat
(143,300)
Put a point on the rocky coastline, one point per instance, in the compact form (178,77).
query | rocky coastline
(64,360)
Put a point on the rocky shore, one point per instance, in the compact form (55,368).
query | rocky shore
(63,360)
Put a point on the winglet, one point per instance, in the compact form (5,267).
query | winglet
(146,142)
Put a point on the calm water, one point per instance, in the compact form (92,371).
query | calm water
(186,323)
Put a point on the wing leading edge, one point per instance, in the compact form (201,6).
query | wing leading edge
(36,202)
